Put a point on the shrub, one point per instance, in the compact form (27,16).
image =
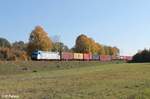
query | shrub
(142,56)
(12,54)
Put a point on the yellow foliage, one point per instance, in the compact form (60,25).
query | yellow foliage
(85,44)
(23,56)
(12,54)
(39,40)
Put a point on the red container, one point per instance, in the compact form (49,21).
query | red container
(87,56)
(67,56)
(128,58)
(104,58)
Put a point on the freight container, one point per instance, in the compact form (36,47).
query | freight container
(87,56)
(95,57)
(115,57)
(78,56)
(104,58)
(126,58)
(129,58)
(45,55)
(67,56)
(122,58)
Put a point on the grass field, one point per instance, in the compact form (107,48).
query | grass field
(75,80)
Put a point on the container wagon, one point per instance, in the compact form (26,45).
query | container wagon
(78,56)
(45,55)
(95,57)
(115,57)
(129,58)
(87,56)
(67,56)
(105,58)
(126,58)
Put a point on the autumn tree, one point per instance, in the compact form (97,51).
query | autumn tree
(106,50)
(100,49)
(4,43)
(19,45)
(110,50)
(4,53)
(83,44)
(39,40)
(115,51)
(93,46)
(19,50)
(59,47)
(5,47)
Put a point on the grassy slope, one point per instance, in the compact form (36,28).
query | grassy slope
(90,81)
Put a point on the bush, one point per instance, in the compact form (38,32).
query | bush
(142,56)
(12,54)
(4,53)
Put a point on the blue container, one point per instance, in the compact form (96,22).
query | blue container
(95,57)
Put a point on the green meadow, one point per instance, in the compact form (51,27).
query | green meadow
(75,80)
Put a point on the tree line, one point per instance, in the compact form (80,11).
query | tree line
(39,40)
(86,44)
(142,56)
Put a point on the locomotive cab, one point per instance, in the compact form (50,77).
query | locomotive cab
(35,55)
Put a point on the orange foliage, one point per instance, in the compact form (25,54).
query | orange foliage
(85,44)
(12,54)
(39,40)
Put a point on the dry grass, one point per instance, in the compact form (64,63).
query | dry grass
(95,81)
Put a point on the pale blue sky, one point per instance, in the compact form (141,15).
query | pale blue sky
(121,23)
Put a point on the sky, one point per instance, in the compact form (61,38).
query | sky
(121,23)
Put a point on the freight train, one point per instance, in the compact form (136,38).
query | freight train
(68,56)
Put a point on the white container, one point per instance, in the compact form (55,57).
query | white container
(78,56)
